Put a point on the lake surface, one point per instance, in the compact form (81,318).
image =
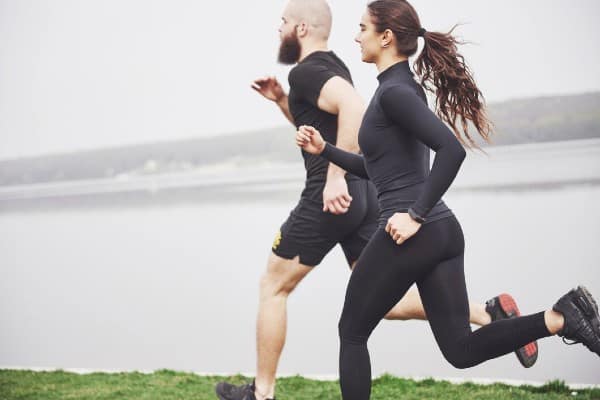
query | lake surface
(169,280)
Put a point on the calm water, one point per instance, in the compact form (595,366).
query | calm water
(174,285)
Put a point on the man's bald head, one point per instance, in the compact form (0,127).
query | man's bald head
(315,13)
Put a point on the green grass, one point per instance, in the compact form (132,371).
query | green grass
(170,385)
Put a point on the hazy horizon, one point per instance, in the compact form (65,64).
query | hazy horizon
(492,106)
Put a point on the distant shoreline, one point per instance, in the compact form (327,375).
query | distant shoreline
(540,166)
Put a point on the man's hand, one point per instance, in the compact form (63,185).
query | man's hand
(336,198)
(269,87)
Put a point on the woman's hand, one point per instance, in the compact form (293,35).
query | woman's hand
(310,140)
(401,227)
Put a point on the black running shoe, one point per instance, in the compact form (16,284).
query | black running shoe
(582,323)
(227,391)
(504,306)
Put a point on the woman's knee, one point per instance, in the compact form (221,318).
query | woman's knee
(458,356)
(351,332)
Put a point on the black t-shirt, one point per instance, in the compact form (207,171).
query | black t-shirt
(306,80)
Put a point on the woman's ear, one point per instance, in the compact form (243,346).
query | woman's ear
(386,38)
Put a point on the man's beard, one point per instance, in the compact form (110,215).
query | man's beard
(289,50)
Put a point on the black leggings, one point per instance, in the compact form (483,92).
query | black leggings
(433,258)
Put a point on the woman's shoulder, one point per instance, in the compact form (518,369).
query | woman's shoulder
(400,90)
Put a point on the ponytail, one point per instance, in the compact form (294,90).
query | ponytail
(441,68)
(443,71)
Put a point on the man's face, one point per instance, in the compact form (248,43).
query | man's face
(289,48)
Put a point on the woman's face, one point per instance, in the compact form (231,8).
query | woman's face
(369,39)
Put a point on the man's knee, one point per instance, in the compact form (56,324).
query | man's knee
(272,284)
(397,315)
(282,276)
(409,307)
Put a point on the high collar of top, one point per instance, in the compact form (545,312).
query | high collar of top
(400,69)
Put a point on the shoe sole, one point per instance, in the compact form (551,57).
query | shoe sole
(527,354)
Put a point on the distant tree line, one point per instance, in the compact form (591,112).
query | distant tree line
(517,121)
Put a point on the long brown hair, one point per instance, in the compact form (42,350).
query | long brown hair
(441,68)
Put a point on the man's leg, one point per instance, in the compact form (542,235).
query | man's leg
(301,243)
(411,307)
(279,280)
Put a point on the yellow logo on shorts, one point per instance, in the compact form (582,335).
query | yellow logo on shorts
(277,240)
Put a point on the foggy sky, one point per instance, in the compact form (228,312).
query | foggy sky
(82,74)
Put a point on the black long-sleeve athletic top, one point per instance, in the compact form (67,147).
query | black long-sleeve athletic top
(395,136)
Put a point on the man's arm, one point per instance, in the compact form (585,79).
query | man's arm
(282,102)
(271,89)
(339,97)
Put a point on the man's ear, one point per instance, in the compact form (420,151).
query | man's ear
(302,29)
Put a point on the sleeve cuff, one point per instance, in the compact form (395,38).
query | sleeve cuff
(417,216)
(326,150)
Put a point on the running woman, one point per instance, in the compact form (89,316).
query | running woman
(419,240)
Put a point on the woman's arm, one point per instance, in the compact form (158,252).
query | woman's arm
(406,109)
(311,141)
(351,162)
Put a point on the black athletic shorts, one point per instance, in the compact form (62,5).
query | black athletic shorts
(311,233)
